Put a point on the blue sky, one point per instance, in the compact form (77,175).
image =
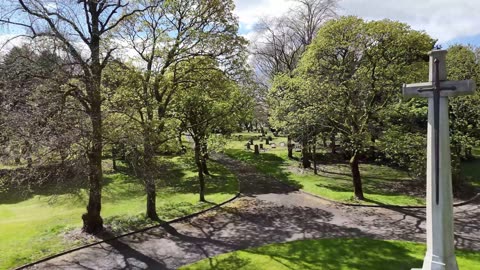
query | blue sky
(449,21)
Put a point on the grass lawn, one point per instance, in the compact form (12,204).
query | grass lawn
(334,180)
(33,227)
(334,254)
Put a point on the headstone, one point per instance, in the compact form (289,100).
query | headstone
(251,141)
(440,253)
(261,146)
(257,152)
(273,145)
(282,144)
(267,141)
(248,145)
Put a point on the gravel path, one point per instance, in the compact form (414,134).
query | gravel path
(268,212)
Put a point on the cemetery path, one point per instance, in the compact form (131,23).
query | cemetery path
(268,212)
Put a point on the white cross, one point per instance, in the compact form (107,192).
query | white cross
(440,242)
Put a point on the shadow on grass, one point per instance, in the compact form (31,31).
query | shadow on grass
(371,177)
(276,167)
(18,185)
(321,254)
(268,176)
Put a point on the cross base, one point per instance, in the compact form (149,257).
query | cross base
(432,262)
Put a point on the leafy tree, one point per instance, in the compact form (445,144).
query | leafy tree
(207,102)
(280,42)
(40,125)
(163,38)
(462,64)
(357,69)
(76,26)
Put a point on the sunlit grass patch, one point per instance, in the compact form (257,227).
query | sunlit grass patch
(34,226)
(334,254)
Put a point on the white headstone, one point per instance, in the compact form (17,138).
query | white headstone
(440,253)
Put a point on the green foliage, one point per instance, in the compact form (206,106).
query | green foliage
(348,77)
(405,150)
(207,100)
(462,64)
(357,69)
(334,254)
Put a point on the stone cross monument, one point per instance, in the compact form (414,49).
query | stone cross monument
(440,243)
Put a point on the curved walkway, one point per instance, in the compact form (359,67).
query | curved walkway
(268,212)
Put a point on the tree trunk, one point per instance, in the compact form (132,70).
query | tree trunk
(305,161)
(204,166)
(149,181)
(357,180)
(290,147)
(151,199)
(179,138)
(114,159)
(198,162)
(333,144)
(92,221)
(468,153)
(205,156)
(315,170)
(324,141)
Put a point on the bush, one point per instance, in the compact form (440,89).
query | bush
(405,150)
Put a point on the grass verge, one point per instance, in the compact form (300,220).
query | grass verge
(335,254)
(382,184)
(36,226)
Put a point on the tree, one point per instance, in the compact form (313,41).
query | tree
(357,69)
(462,64)
(41,127)
(281,41)
(292,110)
(207,102)
(82,25)
(164,37)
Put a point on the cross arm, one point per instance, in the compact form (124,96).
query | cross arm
(447,89)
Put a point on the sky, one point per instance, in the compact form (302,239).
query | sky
(449,21)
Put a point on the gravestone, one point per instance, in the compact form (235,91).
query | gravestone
(261,146)
(273,145)
(248,145)
(440,253)
(282,144)
(257,152)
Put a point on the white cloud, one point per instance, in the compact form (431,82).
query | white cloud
(442,19)
(249,11)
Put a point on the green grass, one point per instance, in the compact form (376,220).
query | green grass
(33,227)
(334,254)
(334,180)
